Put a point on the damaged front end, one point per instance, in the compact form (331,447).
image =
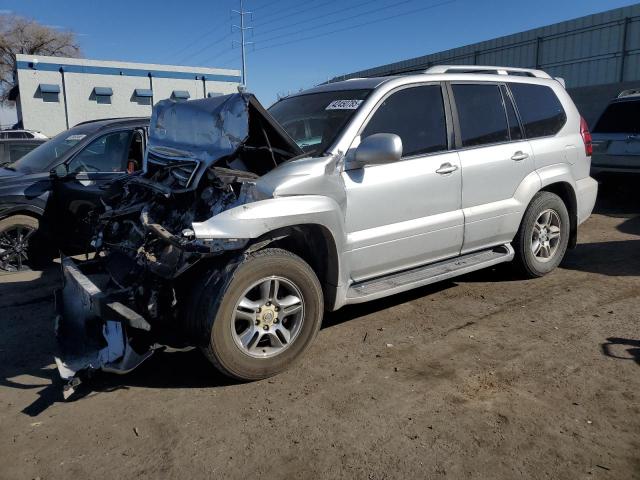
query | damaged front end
(203,157)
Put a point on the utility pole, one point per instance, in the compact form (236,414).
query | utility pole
(243,43)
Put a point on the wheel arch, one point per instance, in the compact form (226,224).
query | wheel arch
(28,210)
(568,195)
(316,245)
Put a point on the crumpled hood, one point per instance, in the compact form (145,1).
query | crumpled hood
(212,128)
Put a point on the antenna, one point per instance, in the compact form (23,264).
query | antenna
(243,43)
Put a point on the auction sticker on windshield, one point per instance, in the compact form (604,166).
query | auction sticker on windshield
(344,105)
(74,138)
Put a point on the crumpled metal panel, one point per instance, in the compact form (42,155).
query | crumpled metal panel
(206,129)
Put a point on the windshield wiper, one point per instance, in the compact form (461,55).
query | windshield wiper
(8,166)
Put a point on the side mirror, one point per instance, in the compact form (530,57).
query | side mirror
(378,149)
(59,171)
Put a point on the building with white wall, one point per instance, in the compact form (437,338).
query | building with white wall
(54,93)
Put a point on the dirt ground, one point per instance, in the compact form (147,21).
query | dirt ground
(485,377)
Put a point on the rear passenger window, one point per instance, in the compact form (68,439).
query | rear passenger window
(514,125)
(540,110)
(481,114)
(417,116)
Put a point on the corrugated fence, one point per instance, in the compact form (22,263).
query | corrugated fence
(596,49)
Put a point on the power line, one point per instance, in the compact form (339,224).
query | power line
(375,10)
(293,14)
(267,5)
(209,45)
(319,17)
(201,37)
(362,24)
(217,27)
(285,9)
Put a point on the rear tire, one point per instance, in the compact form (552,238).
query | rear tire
(543,236)
(260,317)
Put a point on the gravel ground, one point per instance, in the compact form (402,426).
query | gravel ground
(484,377)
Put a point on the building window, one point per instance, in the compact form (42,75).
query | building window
(180,95)
(102,95)
(49,92)
(142,96)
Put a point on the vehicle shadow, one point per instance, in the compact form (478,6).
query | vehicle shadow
(615,259)
(28,347)
(618,197)
(27,343)
(26,358)
(612,258)
(351,312)
(614,344)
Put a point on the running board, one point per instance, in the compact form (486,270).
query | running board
(425,275)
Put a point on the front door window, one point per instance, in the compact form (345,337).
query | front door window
(108,153)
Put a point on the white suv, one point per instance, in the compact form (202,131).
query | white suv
(247,224)
(22,134)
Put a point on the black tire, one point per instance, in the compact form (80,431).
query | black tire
(27,226)
(526,262)
(214,316)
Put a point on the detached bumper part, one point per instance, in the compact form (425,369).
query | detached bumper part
(91,328)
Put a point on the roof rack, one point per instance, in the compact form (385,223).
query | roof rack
(491,70)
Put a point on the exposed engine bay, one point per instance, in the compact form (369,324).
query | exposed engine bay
(203,157)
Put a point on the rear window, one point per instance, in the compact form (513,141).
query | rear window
(620,117)
(540,110)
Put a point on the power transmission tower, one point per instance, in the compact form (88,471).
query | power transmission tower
(243,43)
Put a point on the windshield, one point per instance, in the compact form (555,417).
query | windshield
(314,120)
(620,117)
(40,158)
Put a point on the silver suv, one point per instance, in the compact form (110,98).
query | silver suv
(248,224)
(616,136)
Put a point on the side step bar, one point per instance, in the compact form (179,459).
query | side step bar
(425,275)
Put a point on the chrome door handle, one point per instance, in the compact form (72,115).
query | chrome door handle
(519,155)
(446,168)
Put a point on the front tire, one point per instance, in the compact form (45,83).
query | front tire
(263,317)
(16,233)
(542,239)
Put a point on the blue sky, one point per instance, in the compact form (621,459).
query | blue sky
(284,57)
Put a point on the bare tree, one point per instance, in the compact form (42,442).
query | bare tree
(21,35)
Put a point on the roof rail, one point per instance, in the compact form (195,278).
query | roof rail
(629,93)
(492,70)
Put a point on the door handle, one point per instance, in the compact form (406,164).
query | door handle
(446,168)
(519,155)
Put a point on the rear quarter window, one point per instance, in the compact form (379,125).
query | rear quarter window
(540,110)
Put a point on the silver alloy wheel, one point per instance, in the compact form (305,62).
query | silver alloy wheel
(545,237)
(268,317)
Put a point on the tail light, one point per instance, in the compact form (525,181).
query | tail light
(586,137)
